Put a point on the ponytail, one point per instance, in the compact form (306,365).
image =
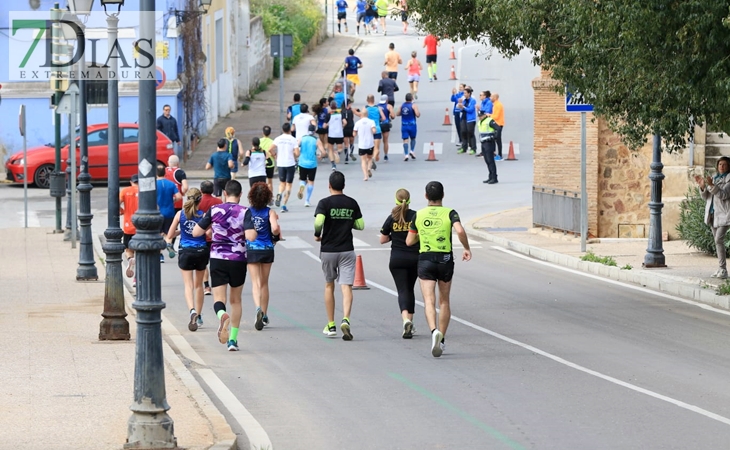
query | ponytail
(402,200)
(190,208)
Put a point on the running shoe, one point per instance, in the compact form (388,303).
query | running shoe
(498,158)
(300,194)
(435,77)
(352,157)
(472,152)
(233,346)
(442,346)
(430,80)
(284,209)
(370,173)
(479,155)
(170,251)
(460,151)
(278,200)
(345,328)
(407,329)
(265,320)
(375,166)
(385,158)
(207,291)
(436,338)
(330,331)
(412,155)
(130,268)
(162,258)
(193,324)
(259,323)
(405,159)
(307,205)
(415,96)
(223,331)
(199,321)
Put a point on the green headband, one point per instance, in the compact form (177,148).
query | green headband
(398,202)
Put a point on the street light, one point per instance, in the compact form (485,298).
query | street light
(149,426)
(184,16)
(114,326)
(87,268)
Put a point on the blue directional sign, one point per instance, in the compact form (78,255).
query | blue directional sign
(576,102)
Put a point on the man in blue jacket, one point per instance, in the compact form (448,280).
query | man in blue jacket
(168,125)
(455,96)
(467,106)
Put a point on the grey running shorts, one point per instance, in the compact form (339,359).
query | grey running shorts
(339,266)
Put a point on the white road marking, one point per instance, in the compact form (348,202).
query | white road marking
(256,434)
(293,242)
(679,403)
(359,243)
(618,283)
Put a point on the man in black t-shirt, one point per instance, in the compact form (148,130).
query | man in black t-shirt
(334,219)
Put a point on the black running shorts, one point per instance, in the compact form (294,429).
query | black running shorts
(254,180)
(341,15)
(365,151)
(428,269)
(385,127)
(260,256)
(270,172)
(307,174)
(335,140)
(166,223)
(193,258)
(431,59)
(219,185)
(126,238)
(286,174)
(224,272)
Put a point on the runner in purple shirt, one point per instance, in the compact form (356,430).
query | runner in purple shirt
(227,259)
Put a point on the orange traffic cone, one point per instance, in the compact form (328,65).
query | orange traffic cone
(453,55)
(447,118)
(511,155)
(453,74)
(431,154)
(359,275)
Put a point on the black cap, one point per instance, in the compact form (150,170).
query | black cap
(134,178)
(312,128)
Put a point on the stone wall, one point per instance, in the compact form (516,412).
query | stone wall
(617,178)
(260,62)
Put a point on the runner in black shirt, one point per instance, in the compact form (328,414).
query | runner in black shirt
(335,217)
(403,259)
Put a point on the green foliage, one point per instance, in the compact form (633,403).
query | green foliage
(723,289)
(301,19)
(592,257)
(627,267)
(692,227)
(647,66)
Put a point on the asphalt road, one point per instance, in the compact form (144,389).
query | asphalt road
(537,356)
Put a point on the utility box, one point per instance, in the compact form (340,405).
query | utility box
(58,184)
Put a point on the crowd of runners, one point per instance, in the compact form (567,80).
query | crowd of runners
(223,238)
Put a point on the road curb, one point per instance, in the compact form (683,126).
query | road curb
(225,438)
(681,287)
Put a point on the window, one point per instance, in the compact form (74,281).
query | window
(98,137)
(130,135)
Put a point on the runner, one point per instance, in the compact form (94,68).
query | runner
(206,188)
(335,217)
(430,42)
(167,195)
(256,161)
(375,114)
(392,60)
(302,121)
(361,9)
(385,125)
(413,67)
(283,147)
(128,204)
(365,130)
(320,110)
(308,153)
(432,227)
(349,120)
(234,148)
(294,109)
(388,86)
(371,15)
(341,14)
(408,113)
(194,253)
(265,142)
(383,6)
(227,260)
(352,65)
(260,252)
(404,15)
(221,162)
(335,134)
(337,96)
(403,259)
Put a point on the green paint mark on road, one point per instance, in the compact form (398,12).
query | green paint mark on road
(463,414)
(300,326)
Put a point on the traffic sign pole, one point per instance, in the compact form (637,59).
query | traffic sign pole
(575,102)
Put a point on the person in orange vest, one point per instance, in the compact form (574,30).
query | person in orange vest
(128,204)
(498,116)
(174,173)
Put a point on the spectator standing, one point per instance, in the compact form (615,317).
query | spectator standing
(468,107)
(455,96)
(498,116)
(168,125)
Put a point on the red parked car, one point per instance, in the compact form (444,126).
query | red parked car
(41,160)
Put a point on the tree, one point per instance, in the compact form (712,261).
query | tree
(649,67)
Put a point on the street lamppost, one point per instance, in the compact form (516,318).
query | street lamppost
(114,326)
(654,256)
(86,270)
(149,426)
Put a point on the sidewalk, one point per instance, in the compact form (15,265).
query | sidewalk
(687,273)
(313,78)
(64,388)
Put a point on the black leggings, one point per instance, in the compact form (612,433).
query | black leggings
(404,268)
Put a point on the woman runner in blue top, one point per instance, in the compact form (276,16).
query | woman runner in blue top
(321,112)
(194,253)
(260,252)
